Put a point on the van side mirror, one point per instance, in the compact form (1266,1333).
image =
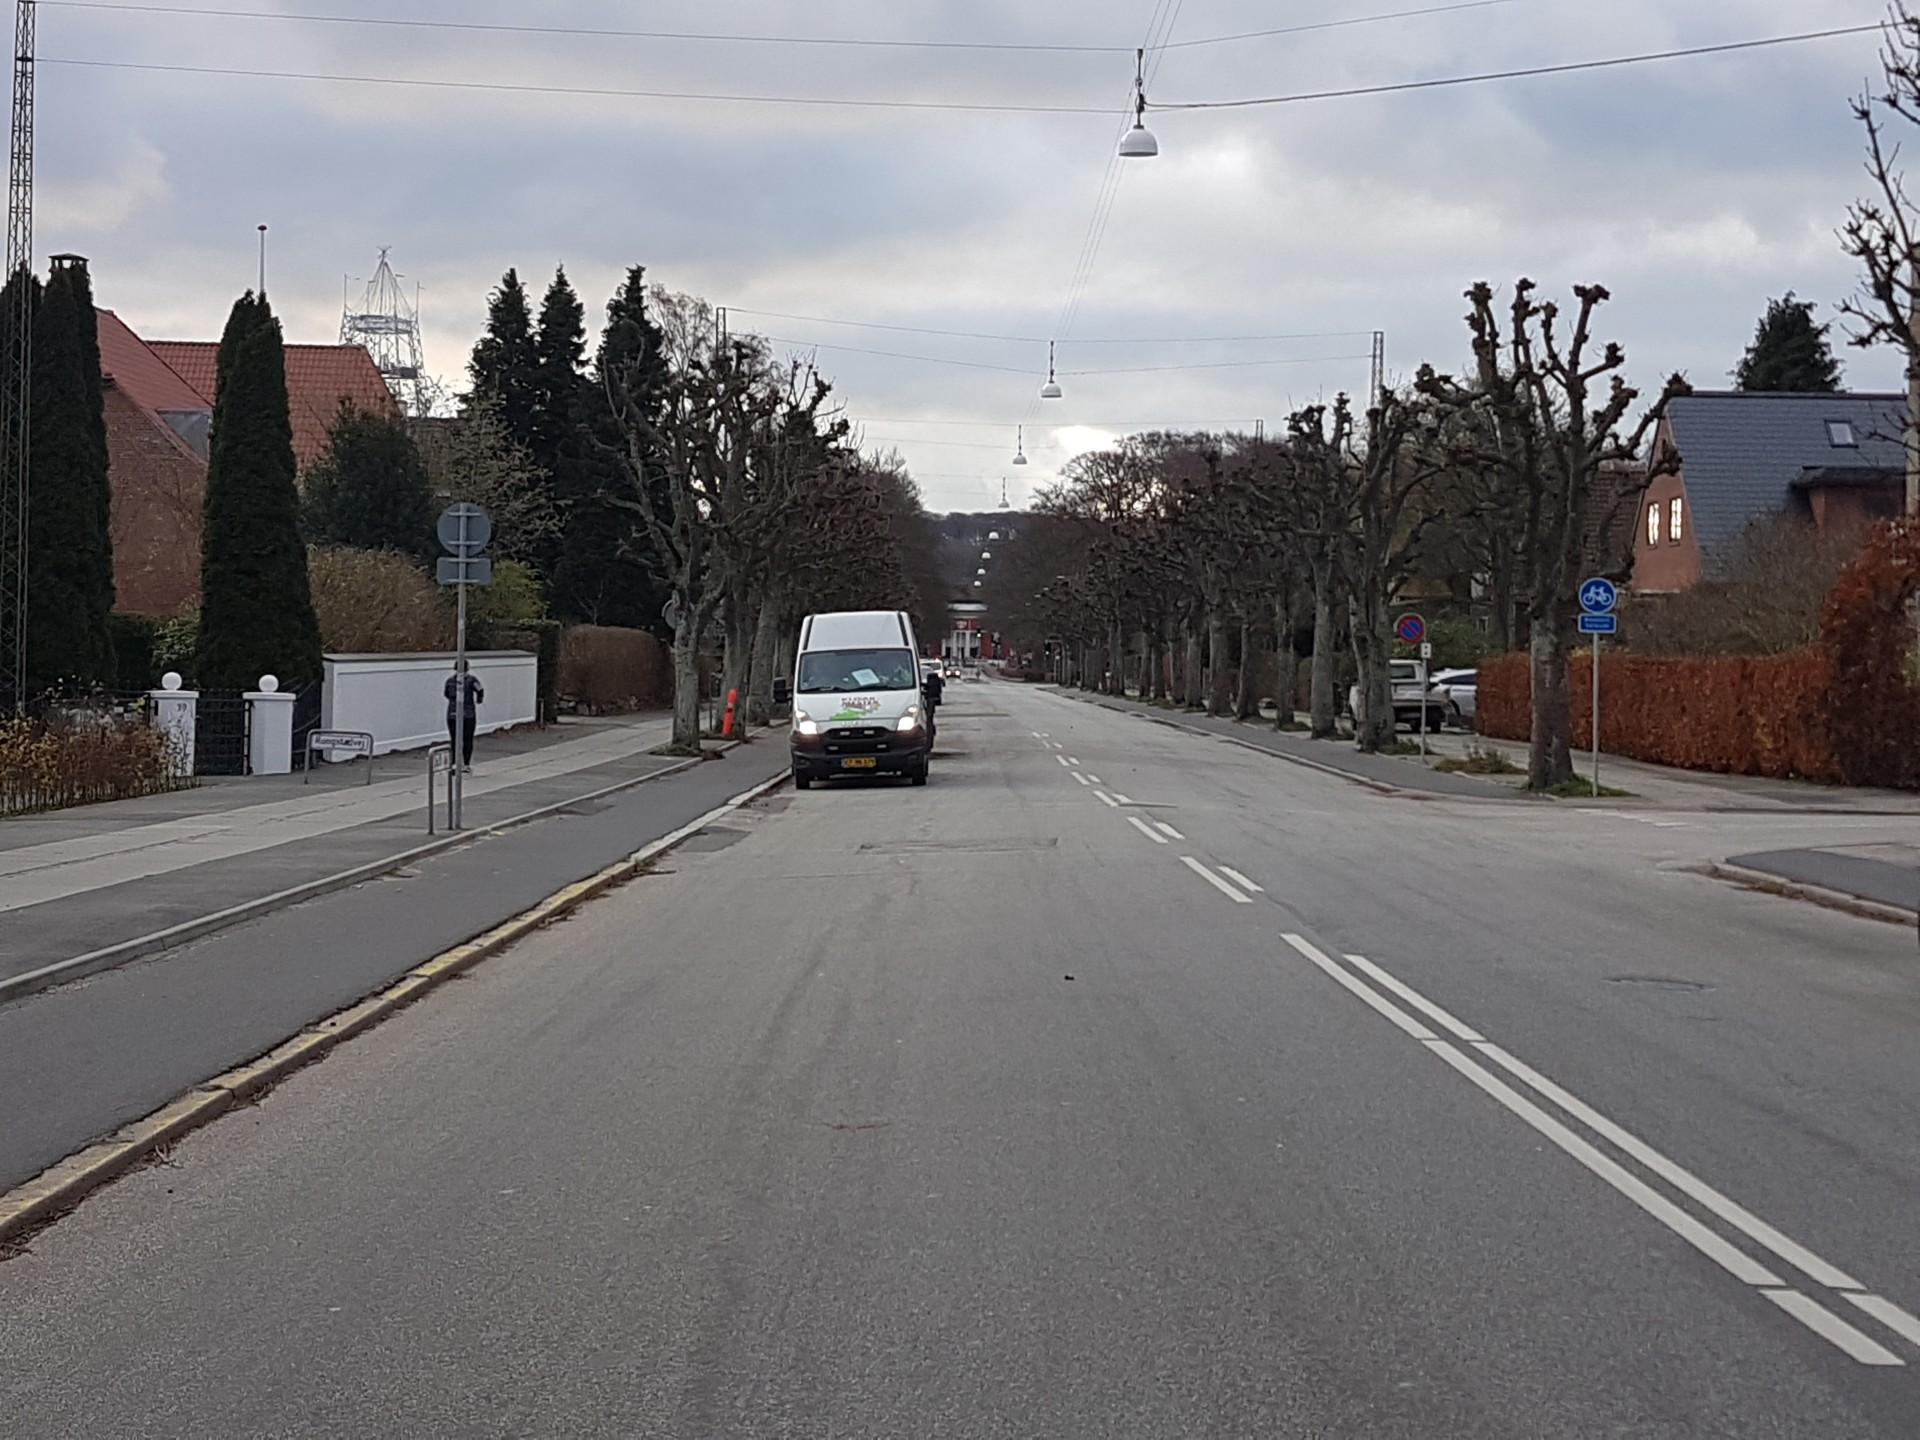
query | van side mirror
(782,692)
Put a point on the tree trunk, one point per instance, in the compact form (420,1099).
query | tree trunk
(1500,600)
(1550,757)
(1219,671)
(1193,694)
(766,642)
(1117,647)
(1246,700)
(1286,665)
(1372,649)
(1323,704)
(686,680)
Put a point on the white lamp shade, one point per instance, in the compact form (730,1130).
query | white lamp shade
(1139,143)
(1020,459)
(1050,390)
(993,534)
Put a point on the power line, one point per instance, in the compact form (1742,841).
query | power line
(1042,339)
(1224,365)
(1026,370)
(1085,424)
(714,37)
(599,92)
(896,355)
(1570,67)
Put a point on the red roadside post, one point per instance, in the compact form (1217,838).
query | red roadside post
(726,725)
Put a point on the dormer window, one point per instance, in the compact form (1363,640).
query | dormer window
(1840,435)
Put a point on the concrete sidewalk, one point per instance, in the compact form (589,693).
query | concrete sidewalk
(1883,874)
(79,880)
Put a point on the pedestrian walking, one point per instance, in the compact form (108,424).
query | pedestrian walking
(465,695)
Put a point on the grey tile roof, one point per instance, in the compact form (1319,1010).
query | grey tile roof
(1741,451)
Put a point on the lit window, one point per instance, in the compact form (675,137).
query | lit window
(1840,435)
(1673,520)
(1653,523)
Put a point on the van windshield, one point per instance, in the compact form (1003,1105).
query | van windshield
(824,671)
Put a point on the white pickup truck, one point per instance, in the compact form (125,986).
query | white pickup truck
(1408,698)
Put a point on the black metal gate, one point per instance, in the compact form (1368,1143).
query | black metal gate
(306,720)
(220,733)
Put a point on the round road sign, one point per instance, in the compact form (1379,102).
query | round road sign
(1410,629)
(464,529)
(1598,595)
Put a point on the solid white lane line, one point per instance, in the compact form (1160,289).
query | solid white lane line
(1173,834)
(1891,1316)
(1240,880)
(1831,1328)
(1214,880)
(1078,776)
(1414,998)
(1738,1263)
(1107,800)
(1683,1180)
(1063,762)
(1141,826)
(1393,1012)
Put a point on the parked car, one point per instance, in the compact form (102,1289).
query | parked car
(1460,686)
(1408,699)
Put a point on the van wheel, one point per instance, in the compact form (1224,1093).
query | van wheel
(802,780)
(920,776)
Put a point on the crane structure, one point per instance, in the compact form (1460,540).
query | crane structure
(16,373)
(387,325)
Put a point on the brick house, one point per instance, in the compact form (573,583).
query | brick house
(1834,460)
(159,407)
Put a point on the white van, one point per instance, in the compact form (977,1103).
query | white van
(857,702)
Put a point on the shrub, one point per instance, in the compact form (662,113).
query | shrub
(513,599)
(79,757)
(605,669)
(176,643)
(376,602)
(134,637)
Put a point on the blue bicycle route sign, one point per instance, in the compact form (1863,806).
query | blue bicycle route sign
(1598,596)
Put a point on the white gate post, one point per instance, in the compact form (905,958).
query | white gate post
(270,734)
(174,714)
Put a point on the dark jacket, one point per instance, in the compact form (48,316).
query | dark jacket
(476,694)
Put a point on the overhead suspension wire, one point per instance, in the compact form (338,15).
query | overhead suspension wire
(1570,67)
(127,7)
(1027,370)
(1041,339)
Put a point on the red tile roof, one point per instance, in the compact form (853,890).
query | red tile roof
(319,378)
(127,361)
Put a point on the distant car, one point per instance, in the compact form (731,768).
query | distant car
(1460,686)
(1404,675)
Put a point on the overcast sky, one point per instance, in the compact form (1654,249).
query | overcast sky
(1694,189)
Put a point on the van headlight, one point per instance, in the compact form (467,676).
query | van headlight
(806,725)
(908,722)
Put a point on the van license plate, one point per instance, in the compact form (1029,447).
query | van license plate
(860,762)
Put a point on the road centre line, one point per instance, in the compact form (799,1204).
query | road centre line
(1094,778)
(1063,762)
(1240,880)
(1106,799)
(1072,761)
(1171,833)
(1121,798)
(1816,1317)
(1141,826)
(1214,880)
(1078,776)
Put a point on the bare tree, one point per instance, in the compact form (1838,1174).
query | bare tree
(1564,446)
(471,456)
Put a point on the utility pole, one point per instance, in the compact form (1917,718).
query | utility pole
(16,370)
(1913,394)
(263,262)
(1378,384)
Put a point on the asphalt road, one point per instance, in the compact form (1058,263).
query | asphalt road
(978,1110)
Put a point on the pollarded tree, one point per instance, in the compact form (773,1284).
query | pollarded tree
(371,489)
(1789,351)
(1563,440)
(70,550)
(256,607)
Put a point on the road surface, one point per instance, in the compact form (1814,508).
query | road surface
(1049,1101)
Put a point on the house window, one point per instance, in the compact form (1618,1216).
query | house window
(1673,519)
(1653,523)
(1840,435)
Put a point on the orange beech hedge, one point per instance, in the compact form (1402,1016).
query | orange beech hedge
(1846,710)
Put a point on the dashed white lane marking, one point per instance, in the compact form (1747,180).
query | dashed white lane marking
(1173,834)
(1639,819)
(1063,762)
(1214,880)
(1072,761)
(1106,800)
(1240,880)
(1121,798)
(1078,776)
(1816,1317)
(1141,826)
(1094,778)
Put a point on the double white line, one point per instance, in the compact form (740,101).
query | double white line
(1853,1341)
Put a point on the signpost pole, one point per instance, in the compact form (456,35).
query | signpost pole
(1596,717)
(459,709)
